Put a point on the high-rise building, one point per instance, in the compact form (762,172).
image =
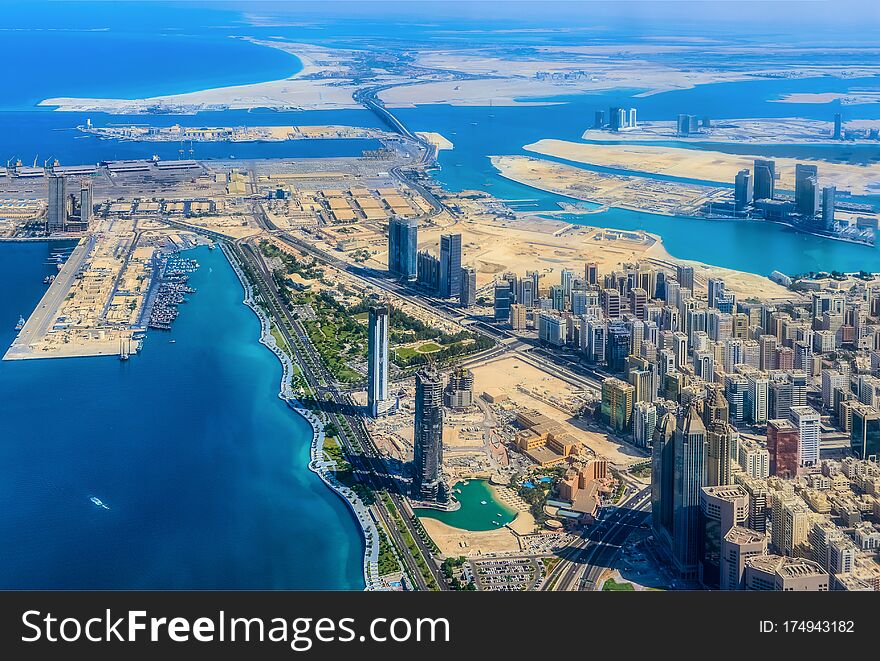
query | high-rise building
(617,404)
(468,296)
(743,190)
(644,423)
(740,544)
(838,127)
(806,420)
(618,347)
(459,392)
(685,277)
(721,509)
(806,189)
(377,359)
(631,123)
(427,483)
(86,207)
(504,298)
(591,274)
(428,271)
(663,477)
(754,459)
(783,574)
(865,435)
(829,194)
(403,246)
(638,302)
(450,265)
(782,444)
(765,175)
(610,300)
(599,119)
(518,317)
(690,468)
(790,519)
(56,217)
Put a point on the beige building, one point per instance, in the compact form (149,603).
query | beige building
(739,545)
(783,574)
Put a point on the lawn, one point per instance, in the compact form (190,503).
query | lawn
(613,586)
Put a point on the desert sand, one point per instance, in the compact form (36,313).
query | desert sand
(703,164)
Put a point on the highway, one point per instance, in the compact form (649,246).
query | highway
(585,561)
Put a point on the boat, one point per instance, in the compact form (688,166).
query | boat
(483,502)
(20,324)
(99,503)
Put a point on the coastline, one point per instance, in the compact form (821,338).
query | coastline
(317,464)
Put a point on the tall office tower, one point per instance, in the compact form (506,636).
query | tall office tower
(690,468)
(557,298)
(618,347)
(377,359)
(642,381)
(767,353)
(838,127)
(736,387)
(644,423)
(829,193)
(716,292)
(740,544)
(503,300)
(758,397)
(743,190)
(468,296)
(617,404)
(685,277)
(632,118)
(832,380)
(428,271)
(617,118)
(806,189)
(790,523)
(599,119)
(807,422)
(57,212)
(638,302)
(782,444)
(765,175)
(591,274)
(663,477)
(683,125)
(86,207)
(579,303)
(427,484)
(719,460)
(403,247)
(758,493)
(754,459)
(865,435)
(566,280)
(450,265)
(459,392)
(610,300)
(784,358)
(721,509)
(518,317)
(779,402)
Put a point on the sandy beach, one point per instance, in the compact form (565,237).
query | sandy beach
(705,165)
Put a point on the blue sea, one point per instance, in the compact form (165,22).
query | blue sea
(202,466)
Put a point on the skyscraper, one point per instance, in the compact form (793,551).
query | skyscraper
(782,444)
(829,193)
(806,189)
(685,277)
(427,483)
(807,422)
(377,359)
(838,127)
(85,202)
(743,189)
(721,509)
(503,300)
(663,477)
(450,265)
(468,296)
(690,474)
(403,246)
(765,174)
(57,212)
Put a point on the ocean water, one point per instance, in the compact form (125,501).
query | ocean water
(203,467)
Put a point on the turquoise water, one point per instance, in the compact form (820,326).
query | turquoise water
(203,467)
(473,514)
